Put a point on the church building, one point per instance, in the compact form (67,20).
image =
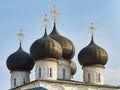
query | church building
(51,55)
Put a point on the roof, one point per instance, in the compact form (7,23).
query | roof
(65,82)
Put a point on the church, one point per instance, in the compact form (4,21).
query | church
(51,55)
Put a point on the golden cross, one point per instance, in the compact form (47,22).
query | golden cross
(20,35)
(55,12)
(46,21)
(92,28)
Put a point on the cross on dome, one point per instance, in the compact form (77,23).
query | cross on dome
(55,12)
(92,29)
(20,35)
(46,21)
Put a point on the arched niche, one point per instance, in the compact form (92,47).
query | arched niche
(55,87)
(80,88)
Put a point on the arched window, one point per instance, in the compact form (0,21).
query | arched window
(88,77)
(99,79)
(39,71)
(63,73)
(14,81)
(50,72)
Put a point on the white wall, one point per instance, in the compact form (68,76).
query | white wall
(93,74)
(64,65)
(45,65)
(19,78)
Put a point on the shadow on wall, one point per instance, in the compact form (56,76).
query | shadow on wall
(37,88)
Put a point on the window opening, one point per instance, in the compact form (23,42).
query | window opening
(14,81)
(99,77)
(50,72)
(63,73)
(88,77)
(40,72)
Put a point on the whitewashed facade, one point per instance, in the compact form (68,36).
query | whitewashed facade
(46,69)
(93,74)
(19,78)
(63,70)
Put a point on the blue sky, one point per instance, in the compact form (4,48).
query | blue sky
(73,22)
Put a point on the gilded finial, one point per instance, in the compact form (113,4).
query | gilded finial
(92,28)
(20,35)
(46,21)
(55,13)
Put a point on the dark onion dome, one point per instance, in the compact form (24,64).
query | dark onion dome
(46,47)
(67,46)
(20,61)
(73,67)
(92,55)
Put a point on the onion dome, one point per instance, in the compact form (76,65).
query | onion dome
(73,68)
(45,47)
(67,46)
(92,55)
(20,61)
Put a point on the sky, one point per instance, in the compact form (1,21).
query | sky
(74,19)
